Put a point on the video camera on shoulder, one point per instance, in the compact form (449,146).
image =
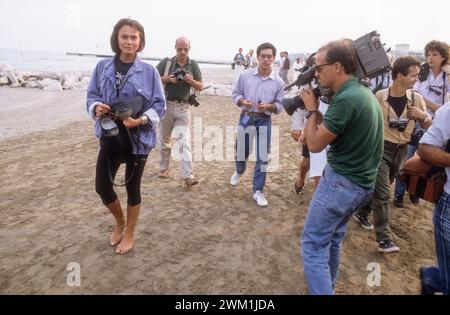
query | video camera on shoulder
(372,61)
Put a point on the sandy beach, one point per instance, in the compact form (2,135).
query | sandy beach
(211,239)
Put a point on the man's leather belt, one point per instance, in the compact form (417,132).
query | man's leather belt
(179,102)
(255,114)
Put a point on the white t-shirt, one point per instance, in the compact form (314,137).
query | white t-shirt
(434,89)
(439,134)
(298,120)
(297,66)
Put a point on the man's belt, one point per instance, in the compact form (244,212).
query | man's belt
(394,145)
(178,101)
(255,114)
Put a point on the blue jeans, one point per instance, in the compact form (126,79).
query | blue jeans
(437,278)
(335,201)
(400,186)
(249,127)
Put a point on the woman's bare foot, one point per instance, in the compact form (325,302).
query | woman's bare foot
(126,244)
(117,235)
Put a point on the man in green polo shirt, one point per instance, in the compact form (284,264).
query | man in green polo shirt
(178,74)
(402,108)
(353,128)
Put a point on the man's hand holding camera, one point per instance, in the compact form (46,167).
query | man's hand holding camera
(310,100)
(170,79)
(189,79)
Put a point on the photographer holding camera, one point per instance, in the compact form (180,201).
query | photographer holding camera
(179,74)
(353,128)
(402,108)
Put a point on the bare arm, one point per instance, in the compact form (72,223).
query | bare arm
(198,85)
(434,155)
(431,105)
(317,138)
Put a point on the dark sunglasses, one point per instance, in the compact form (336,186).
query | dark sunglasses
(319,67)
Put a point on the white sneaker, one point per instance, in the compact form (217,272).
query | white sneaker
(235,179)
(260,199)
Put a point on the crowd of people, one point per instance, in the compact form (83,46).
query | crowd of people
(353,147)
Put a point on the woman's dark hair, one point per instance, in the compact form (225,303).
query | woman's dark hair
(266,46)
(341,51)
(402,65)
(441,47)
(115,34)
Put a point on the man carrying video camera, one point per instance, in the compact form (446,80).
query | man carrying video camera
(353,127)
(179,75)
(402,108)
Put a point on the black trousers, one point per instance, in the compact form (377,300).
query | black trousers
(110,163)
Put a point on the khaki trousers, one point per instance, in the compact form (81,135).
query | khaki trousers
(177,121)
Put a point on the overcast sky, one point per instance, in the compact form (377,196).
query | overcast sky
(218,27)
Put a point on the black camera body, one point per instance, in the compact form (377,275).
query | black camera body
(372,61)
(179,74)
(193,101)
(399,124)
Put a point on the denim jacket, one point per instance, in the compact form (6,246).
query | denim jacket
(142,79)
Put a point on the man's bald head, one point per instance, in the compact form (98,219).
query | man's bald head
(182,46)
(182,41)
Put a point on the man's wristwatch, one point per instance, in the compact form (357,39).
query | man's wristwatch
(144,119)
(309,113)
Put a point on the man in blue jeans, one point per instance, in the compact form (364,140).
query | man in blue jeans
(434,148)
(353,127)
(258,92)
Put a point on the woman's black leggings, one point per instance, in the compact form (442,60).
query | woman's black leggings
(103,185)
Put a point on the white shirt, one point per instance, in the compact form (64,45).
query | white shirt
(297,66)
(439,134)
(437,84)
(298,121)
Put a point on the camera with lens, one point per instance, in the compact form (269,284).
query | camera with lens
(372,61)
(399,124)
(179,74)
(193,101)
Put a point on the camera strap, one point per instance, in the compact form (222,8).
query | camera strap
(169,63)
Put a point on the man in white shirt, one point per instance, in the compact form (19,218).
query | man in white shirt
(434,148)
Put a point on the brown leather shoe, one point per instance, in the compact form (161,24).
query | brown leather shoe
(190,182)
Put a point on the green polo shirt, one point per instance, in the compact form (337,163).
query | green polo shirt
(181,90)
(355,116)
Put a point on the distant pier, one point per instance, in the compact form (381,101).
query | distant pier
(211,62)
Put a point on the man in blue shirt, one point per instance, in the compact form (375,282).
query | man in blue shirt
(258,92)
